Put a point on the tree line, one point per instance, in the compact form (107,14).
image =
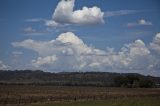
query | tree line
(108,79)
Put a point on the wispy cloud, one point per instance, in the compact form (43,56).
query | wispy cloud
(141,22)
(17,53)
(32,31)
(35,20)
(122,12)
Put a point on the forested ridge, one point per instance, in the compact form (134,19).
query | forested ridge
(109,79)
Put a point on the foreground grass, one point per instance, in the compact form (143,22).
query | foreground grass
(17,95)
(133,101)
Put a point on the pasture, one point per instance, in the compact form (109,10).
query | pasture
(30,95)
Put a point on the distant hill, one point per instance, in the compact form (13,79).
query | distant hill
(69,78)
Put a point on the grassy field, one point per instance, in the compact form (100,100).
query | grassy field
(23,95)
(133,101)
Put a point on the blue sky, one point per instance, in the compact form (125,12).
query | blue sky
(115,25)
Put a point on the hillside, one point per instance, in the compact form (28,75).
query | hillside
(68,78)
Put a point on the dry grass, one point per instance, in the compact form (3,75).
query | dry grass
(12,94)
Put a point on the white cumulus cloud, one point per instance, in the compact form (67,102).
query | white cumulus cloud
(3,66)
(69,37)
(65,44)
(65,14)
(155,44)
(51,23)
(44,60)
(69,52)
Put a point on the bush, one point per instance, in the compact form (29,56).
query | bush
(146,84)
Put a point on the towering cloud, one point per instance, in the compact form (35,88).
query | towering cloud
(65,14)
(155,44)
(69,52)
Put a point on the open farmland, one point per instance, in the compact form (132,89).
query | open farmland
(132,101)
(30,95)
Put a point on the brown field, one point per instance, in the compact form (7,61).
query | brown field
(11,95)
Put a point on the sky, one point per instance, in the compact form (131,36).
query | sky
(80,35)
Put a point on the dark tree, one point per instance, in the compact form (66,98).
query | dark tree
(146,83)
